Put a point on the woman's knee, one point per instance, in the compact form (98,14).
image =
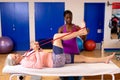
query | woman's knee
(55,36)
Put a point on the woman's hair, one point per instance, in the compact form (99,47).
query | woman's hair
(9,60)
(67,12)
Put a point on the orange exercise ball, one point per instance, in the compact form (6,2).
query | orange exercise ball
(90,45)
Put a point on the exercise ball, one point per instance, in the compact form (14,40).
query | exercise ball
(6,44)
(89,45)
(80,43)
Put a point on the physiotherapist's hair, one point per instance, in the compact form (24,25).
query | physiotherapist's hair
(67,12)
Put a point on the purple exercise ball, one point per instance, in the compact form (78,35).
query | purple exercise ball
(6,44)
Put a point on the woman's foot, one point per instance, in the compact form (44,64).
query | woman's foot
(82,25)
(83,31)
(108,58)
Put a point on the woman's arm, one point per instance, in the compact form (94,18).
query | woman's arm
(60,30)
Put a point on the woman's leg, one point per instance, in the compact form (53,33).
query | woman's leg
(85,59)
(58,56)
(57,42)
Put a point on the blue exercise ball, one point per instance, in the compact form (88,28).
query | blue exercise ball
(80,43)
(6,44)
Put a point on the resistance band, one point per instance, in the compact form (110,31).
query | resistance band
(58,37)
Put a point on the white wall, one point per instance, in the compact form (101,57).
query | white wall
(77,7)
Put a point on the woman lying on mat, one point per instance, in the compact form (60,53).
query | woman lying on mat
(36,58)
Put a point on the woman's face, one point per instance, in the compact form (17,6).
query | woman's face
(17,58)
(68,18)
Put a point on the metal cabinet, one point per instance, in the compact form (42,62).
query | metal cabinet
(15,23)
(48,18)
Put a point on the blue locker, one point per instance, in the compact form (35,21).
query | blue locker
(94,18)
(48,18)
(15,23)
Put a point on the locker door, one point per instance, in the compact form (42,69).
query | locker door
(56,17)
(94,17)
(14,21)
(48,18)
(22,25)
(7,18)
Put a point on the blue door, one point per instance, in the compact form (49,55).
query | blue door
(94,18)
(15,23)
(48,18)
